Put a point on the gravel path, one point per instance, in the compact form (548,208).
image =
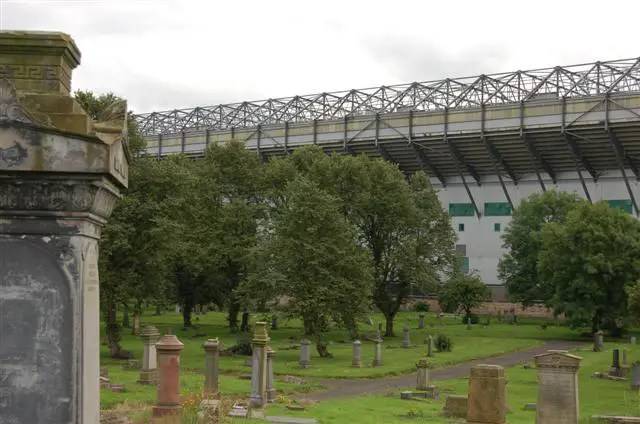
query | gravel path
(339,388)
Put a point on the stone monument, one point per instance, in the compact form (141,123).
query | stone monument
(557,388)
(487,403)
(635,376)
(259,366)
(305,353)
(357,354)
(423,378)
(149,371)
(421,321)
(168,403)
(406,339)
(211,371)
(60,176)
(598,341)
(377,353)
(271,390)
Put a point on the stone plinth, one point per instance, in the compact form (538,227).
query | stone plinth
(259,343)
(305,353)
(149,371)
(487,402)
(168,403)
(60,176)
(356,360)
(557,388)
(423,377)
(211,369)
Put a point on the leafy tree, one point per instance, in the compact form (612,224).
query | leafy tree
(463,293)
(590,260)
(522,237)
(310,258)
(633,295)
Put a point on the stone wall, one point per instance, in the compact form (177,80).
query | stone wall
(493,308)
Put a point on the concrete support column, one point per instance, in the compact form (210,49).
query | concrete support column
(168,403)
(211,370)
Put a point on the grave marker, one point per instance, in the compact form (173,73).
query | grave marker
(487,402)
(557,388)
(149,371)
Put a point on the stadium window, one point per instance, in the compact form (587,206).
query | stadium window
(624,204)
(461,209)
(460,227)
(497,209)
(496,227)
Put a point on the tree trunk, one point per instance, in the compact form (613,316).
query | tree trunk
(187,308)
(232,316)
(321,347)
(112,329)
(389,325)
(244,326)
(125,316)
(158,309)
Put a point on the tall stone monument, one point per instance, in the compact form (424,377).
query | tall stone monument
(168,399)
(557,387)
(259,366)
(487,402)
(149,371)
(60,176)
(211,366)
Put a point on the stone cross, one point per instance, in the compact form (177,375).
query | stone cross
(429,346)
(406,340)
(377,353)
(271,390)
(557,388)
(487,402)
(357,354)
(259,366)
(63,174)
(421,321)
(168,403)
(149,372)
(598,341)
(423,380)
(305,353)
(211,366)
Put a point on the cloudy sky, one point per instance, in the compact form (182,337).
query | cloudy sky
(165,54)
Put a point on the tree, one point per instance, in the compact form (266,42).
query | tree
(310,258)
(522,237)
(633,296)
(463,293)
(590,259)
(402,224)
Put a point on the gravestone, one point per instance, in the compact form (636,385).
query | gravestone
(377,353)
(635,376)
(615,363)
(429,346)
(149,371)
(423,377)
(598,341)
(406,339)
(632,340)
(357,354)
(455,406)
(305,353)
(168,403)
(211,366)
(259,342)
(421,321)
(557,388)
(271,390)
(487,403)
(62,174)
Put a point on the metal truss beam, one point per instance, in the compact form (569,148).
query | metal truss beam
(577,158)
(590,79)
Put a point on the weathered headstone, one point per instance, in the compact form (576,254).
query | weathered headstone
(635,376)
(421,321)
(615,363)
(259,369)
(455,406)
(271,390)
(429,346)
(598,341)
(406,339)
(211,366)
(377,353)
(168,404)
(149,371)
(357,354)
(487,402)
(305,353)
(62,176)
(557,388)
(423,378)
(632,339)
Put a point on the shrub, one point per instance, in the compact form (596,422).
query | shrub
(421,307)
(443,343)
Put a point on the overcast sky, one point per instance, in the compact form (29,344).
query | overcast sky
(166,54)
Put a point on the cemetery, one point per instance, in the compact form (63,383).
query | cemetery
(308,287)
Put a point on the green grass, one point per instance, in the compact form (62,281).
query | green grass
(597,396)
(481,341)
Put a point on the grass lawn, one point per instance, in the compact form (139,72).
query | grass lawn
(597,396)
(481,341)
